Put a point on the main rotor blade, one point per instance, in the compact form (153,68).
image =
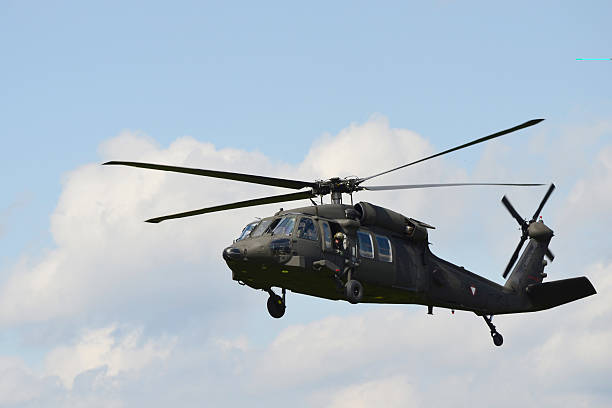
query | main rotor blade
(514,256)
(515,214)
(411,186)
(482,139)
(247,178)
(248,203)
(548,193)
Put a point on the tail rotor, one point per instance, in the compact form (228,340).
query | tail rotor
(525,228)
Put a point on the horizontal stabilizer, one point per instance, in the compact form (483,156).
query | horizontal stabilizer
(551,294)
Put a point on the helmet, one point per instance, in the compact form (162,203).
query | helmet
(339,235)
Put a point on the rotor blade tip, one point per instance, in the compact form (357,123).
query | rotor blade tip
(154,221)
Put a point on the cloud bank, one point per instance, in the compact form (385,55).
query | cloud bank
(127,313)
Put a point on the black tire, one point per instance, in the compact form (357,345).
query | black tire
(498,340)
(354,291)
(276,307)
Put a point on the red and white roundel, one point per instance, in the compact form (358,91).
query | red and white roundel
(473,290)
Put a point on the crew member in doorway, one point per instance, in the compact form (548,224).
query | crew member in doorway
(340,243)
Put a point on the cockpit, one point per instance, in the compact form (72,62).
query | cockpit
(278,238)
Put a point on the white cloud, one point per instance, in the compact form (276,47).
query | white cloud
(105,348)
(19,384)
(591,197)
(388,392)
(239,344)
(105,251)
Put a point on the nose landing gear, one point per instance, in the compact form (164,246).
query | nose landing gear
(498,340)
(276,304)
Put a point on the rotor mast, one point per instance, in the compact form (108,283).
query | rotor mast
(336,191)
(336,197)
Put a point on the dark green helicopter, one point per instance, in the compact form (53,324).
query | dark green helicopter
(364,253)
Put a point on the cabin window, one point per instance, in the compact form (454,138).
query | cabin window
(327,236)
(261,228)
(247,230)
(285,226)
(384,248)
(366,249)
(307,230)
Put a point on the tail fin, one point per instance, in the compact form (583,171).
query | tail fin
(551,294)
(528,273)
(530,267)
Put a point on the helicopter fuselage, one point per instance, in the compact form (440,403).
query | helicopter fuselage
(385,251)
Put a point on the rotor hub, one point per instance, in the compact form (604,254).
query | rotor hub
(336,185)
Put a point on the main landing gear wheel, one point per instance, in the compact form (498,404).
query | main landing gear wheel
(276,304)
(498,340)
(354,291)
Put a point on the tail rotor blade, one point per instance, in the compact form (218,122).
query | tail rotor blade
(550,255)
(514,256)
(515,214)
(548,193)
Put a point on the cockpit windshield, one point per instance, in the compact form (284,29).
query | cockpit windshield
(247,230)
(261,228)
(285,226)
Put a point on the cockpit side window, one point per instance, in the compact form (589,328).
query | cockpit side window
(366,249)
(285,226)
(247,230)
(307,230)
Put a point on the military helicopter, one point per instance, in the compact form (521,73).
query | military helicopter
(364,253)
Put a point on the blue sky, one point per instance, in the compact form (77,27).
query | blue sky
(274,78)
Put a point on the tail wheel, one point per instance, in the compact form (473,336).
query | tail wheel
(498,340)
(276,306)
(354,291)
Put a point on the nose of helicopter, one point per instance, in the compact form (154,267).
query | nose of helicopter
(247,251)
(232,253)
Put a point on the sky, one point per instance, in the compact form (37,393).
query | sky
(98,308)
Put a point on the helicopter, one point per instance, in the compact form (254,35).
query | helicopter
(365,253)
